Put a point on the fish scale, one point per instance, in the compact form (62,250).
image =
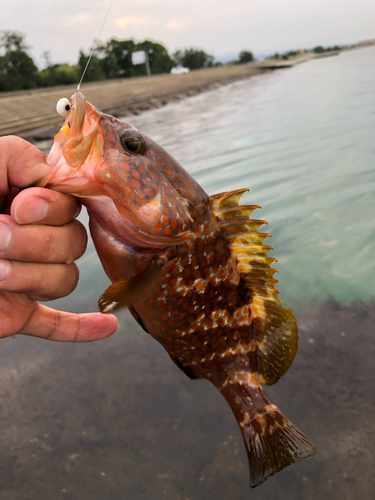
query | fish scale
(192,269)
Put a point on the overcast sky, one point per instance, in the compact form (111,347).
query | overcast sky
(218,26)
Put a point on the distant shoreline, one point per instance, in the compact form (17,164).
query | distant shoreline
(32,115)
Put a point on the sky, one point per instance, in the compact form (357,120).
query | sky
(217,26)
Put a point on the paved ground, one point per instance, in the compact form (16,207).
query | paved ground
(117,420)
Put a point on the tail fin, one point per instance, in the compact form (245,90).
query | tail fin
(272,442)
(274,445)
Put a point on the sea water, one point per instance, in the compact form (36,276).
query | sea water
(302,140)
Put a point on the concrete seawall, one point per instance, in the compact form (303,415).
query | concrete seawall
(32,113)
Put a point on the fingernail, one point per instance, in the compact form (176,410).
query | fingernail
(5,236)
(4,269)
(31,210)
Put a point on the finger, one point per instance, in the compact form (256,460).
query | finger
(34,243)
(44,206)
(6,201)
(40,281)
(67,327)
(21,163)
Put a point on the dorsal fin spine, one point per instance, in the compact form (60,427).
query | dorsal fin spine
(274,326)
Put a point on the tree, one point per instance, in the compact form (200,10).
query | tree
(159,59)
(117,58)
(245,57)
(17,68)
(94,70)
(114,59)
(177,58)
(319,49)
(193,58)
(59,74)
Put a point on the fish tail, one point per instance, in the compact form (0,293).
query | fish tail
(272,442)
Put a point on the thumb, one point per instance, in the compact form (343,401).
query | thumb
(21,163)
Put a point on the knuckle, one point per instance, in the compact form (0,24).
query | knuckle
(74,275)
(44,244)
(66,282)
(78,237)
(36,279)
(69,207)
(53,281)
(55,326)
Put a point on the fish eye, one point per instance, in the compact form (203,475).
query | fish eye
(133,142)
(63,107)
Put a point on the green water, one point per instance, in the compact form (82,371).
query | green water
(303,141)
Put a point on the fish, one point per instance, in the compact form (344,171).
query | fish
(191,268)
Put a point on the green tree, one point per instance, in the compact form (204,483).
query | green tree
(59,74)
(117,58)
(319,49)
(95,70)
(193,58)
(17,68)
(177,58)
(245,57)
(159,59)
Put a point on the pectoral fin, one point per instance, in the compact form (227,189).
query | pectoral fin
(128,291)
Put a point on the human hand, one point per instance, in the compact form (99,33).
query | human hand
(39,240)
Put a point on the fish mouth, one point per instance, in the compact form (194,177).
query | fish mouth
(77,147)
(83,122)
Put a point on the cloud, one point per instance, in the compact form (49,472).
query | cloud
(123,22)
(173,25)
(80,18)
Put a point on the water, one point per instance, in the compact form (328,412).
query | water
(302,140)
(116,419)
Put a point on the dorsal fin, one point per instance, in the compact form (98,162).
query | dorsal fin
(274,325)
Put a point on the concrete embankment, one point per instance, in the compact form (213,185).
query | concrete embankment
(32,113)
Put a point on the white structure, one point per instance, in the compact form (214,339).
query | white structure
(179,70)
(141,57)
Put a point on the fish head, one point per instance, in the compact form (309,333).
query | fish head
(96,156)
(88,145)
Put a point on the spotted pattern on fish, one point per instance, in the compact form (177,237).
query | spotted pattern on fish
(192,269)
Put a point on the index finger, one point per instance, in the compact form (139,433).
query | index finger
(21,164)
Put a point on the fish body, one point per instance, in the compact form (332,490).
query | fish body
(192,269)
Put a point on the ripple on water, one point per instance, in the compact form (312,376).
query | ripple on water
(302,141)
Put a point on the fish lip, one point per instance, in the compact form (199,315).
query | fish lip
(78,100)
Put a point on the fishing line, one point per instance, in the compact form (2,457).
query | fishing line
(94,47)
